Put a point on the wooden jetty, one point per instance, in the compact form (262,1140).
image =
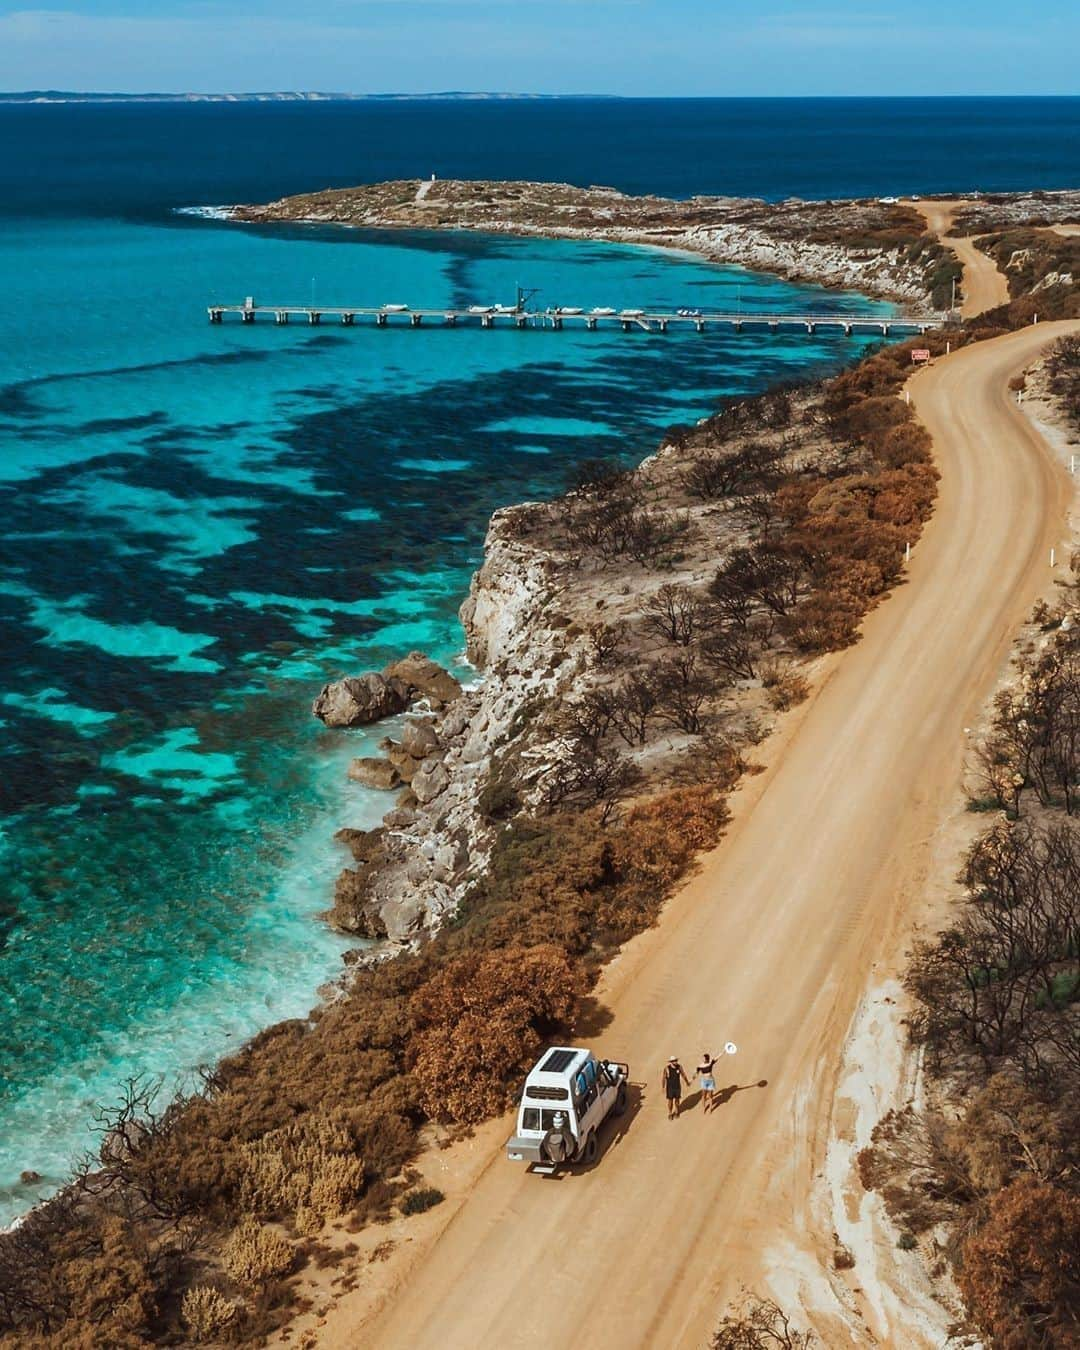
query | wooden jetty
(651,321)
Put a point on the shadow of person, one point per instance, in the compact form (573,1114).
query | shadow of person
(690,1101)
(723,1095)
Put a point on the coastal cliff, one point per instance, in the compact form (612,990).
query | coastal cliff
(641,632)
(434,843)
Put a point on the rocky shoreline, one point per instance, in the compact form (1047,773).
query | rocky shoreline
(416,869)
(877,248)
(604,676)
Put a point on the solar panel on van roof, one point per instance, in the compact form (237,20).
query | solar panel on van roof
(558,1061)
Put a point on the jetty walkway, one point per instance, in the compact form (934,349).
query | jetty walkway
(651,321)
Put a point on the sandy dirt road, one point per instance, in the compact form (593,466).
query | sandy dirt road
(984,287)
(771,943)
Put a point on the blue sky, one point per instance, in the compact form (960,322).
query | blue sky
(648,47)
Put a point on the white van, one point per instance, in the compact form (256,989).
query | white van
(567,1095)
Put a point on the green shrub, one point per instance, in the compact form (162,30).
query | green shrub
(499,799)
(417,1202)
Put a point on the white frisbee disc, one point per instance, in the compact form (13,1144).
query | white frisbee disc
(730,1048)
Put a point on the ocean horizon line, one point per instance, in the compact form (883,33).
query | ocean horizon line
(46,96)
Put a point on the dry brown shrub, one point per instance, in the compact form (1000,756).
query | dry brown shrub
(838,499)
(785,685)
(760,1324)
(110,1286)
(307,1221)
(827,621)
(206,1313)
(311,1164)
(481,1020)
(254,1254)
(696,814)
(1021,1272)
(907,443)
(871,419)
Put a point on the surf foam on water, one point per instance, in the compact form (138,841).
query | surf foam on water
(206,212)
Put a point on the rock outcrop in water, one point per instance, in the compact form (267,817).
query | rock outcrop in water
(359,700)
(424,678)
(373,772)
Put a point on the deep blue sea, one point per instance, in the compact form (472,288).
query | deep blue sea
(200,525)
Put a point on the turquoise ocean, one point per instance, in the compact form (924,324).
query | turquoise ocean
(200,525)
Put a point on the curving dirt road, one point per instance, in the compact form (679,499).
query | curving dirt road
(770,945)
(984,287)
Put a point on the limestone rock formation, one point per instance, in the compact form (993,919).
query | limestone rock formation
(419,738)
(405,763)
(360,700)
(424,678)
(374,772)
(362,844)
(430,779)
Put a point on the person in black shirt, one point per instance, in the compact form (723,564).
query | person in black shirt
(673,1078)
(705,1072)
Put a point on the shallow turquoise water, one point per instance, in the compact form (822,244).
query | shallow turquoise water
(201,525)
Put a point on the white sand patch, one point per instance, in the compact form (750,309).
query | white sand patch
(886,1296)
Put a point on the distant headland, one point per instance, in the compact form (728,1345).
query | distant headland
(272,96)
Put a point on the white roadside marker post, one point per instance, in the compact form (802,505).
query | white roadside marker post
(907,553)
(1051,557)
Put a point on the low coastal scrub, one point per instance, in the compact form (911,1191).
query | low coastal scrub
(206,1314)
(695,589)
(254,1254)
(421,1200)
(988,1170)
(1042,269)
(760,1324)
(479,1023)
